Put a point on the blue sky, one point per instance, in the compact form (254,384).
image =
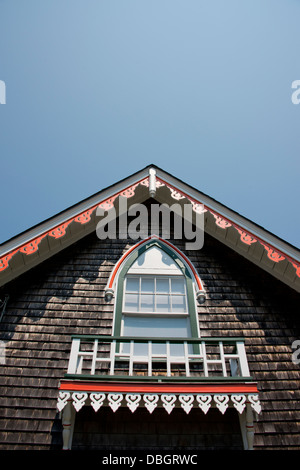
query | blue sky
(98,89)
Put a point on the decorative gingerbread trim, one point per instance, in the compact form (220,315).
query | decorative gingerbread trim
(152,400)
(224,223)
(84,217)
(60,230)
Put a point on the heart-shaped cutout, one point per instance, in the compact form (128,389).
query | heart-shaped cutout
(168,402)
(151,402)
(133,401)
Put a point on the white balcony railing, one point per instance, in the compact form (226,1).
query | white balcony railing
(157,358)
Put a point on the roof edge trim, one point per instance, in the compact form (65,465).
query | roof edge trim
(249,233)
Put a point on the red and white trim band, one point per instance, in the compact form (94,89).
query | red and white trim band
(60,230)
(166,396)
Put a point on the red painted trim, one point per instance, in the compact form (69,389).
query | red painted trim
(272,253)
(119,263)
(158,388)
(187,261)
(58,231)
(128,252)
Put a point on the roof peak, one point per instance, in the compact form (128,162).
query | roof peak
(234,230)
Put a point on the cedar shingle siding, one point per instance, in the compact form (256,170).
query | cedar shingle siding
(65,295)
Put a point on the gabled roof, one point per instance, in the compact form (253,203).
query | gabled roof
(258,245)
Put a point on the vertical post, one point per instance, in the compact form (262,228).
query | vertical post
(168,359)
(186,359)
(222,357)
(240,347)
(67,425)
(131,358)
(205,369)
(150,358)
(249,426)
(73,361)
(95,350)
(112,357)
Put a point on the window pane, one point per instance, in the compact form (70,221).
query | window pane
(177,286)
(155,294)
(178,303)
(131,302)
(147,284)
(132,284)
(162,285)
(147,303)
(140,349)
(156,328)
(162,303)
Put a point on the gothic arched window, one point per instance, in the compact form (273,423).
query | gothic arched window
(155,297)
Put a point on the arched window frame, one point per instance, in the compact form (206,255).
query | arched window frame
(193,283)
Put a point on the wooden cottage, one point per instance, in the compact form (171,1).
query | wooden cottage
(123,329)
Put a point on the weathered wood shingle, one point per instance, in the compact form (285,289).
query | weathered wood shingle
(65,296)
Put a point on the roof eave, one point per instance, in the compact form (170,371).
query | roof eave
(231,228)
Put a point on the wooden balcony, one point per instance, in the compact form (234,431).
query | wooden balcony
(114,372)
(157,359)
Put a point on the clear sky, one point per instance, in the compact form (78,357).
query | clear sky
(98,89)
